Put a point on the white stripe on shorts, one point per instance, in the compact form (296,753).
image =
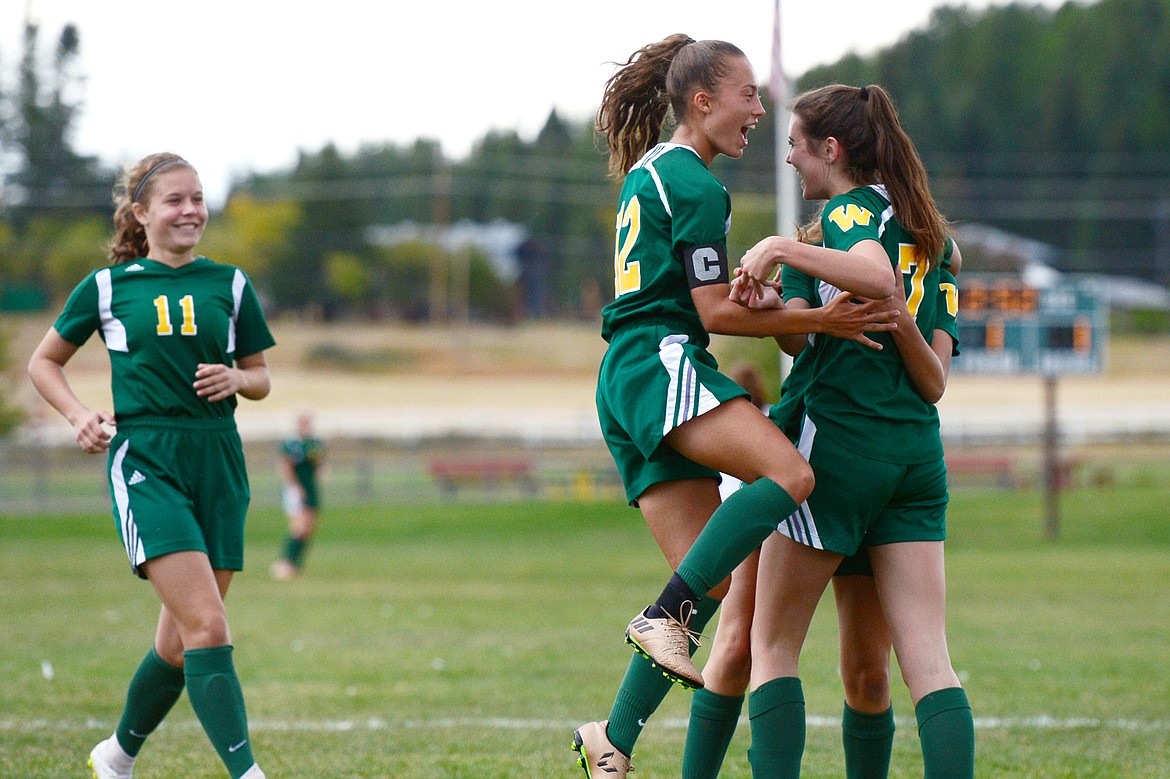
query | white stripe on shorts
(801,526)
(686,398)
(130,537)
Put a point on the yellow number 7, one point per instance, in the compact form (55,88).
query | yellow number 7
(909,262)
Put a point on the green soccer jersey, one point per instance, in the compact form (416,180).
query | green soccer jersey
(158,324)
(672,224)
(306,456)
(789,412)
(862,398)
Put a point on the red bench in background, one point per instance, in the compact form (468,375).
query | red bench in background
(484,472)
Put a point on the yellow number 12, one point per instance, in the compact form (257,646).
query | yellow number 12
(627,276)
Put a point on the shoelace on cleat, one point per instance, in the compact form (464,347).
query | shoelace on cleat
(681,642)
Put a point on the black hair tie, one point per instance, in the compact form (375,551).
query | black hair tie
(863,93)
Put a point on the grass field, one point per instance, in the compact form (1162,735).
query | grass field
(468,640)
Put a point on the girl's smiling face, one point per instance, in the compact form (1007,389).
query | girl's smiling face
(805,154)
(719,121)
(737,110)
(175,214)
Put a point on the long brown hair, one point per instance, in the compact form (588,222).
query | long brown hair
(135,185)
(656,77)
(877,151)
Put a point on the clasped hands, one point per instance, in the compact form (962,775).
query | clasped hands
(756,286)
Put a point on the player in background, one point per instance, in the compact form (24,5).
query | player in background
(301,468)
(185,336)
(870,430)
(672,421)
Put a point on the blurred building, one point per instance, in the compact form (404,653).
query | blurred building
(991,250)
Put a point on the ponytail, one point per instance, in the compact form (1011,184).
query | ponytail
(901,170)
(877,151)
(656,78)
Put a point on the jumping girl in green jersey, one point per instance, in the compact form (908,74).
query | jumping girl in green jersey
(185,336)
(672,421)
(869,428)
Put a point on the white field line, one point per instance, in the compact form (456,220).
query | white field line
(1040,722)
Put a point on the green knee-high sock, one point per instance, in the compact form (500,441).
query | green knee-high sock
(294,550)
(868,741)
(713,721)
(153,690)
(644,687)
(776,710)
(947,732)
(218,701)
(735,530)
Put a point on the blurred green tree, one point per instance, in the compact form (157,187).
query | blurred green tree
(51,180)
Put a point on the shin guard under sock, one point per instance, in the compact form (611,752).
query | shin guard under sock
(735,530)
(947,732)
(869,741)
(776,710)
(154,688)
(714,718)
(218,701)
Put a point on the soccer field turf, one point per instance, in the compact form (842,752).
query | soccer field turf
(468,640)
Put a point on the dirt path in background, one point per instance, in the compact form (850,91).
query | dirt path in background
(538,381)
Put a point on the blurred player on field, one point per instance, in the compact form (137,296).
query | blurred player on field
(185,336)
(301,468)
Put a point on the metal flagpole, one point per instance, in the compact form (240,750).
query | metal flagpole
(786,184)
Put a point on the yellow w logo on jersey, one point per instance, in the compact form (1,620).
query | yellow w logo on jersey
(848,216)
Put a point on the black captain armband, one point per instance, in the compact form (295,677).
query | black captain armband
(706,265)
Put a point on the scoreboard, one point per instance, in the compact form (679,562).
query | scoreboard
(1009,326)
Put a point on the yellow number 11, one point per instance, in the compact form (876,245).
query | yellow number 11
(163,307)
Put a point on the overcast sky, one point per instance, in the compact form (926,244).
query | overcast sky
(240,85)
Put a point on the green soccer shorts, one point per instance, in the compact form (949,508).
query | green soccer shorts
(652,380)
(312,494)
(180,486)
(859,501)
(857,564)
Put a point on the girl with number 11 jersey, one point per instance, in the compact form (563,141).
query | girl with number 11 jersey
(185,335)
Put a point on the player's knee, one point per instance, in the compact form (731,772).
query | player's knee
(736,644)
(794,476)
(205,630)
(729,668)
(799,482)
(171,653)
(867,685)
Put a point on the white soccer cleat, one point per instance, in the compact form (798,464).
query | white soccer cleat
(282,570)
(109,761)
